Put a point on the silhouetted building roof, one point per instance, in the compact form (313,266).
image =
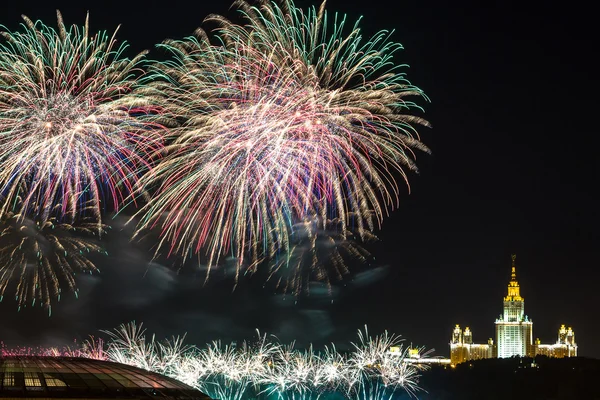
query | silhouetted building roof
(81,378)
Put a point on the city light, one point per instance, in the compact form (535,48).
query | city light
(514,334)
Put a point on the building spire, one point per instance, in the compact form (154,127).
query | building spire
(513,286)
(513,273)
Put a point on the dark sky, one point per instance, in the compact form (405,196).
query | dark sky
(513,170)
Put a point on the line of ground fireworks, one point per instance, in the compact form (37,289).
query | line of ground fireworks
(258,368)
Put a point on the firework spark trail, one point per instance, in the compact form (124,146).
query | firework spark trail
(70,130)
(371,361)
(266,368)
(128,345)
(331,371)
(40,257)
(260,369)
(287,119)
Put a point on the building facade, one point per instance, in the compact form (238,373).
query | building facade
(414,356)
(565,346)
(463,349)
(514,334)
(44,378)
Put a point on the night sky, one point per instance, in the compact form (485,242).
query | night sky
(512,170)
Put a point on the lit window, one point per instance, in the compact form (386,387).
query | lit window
(32,380)
(9,379)
(53,382)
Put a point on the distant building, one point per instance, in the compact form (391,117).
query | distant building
(514,334)
(463,349)
(565,346)
(414,356)
(45,378)
(514,330)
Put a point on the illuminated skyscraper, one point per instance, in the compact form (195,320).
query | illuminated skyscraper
(514,334)
(514,330)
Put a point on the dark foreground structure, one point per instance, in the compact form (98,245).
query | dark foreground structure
(539,378)
(80,378)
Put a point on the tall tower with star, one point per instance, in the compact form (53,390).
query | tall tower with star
(514,330)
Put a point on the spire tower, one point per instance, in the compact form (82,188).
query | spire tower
(513,274)
(513,328)
(513,285)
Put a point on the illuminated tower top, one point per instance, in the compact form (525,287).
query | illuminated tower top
(566,336)
(513,285)
(514,304)
(457,334)
(562,334)
(467,336)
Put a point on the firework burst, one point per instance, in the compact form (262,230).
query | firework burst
(267,369)
(261,369)
(40,257)
(288,119)
(69,129)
